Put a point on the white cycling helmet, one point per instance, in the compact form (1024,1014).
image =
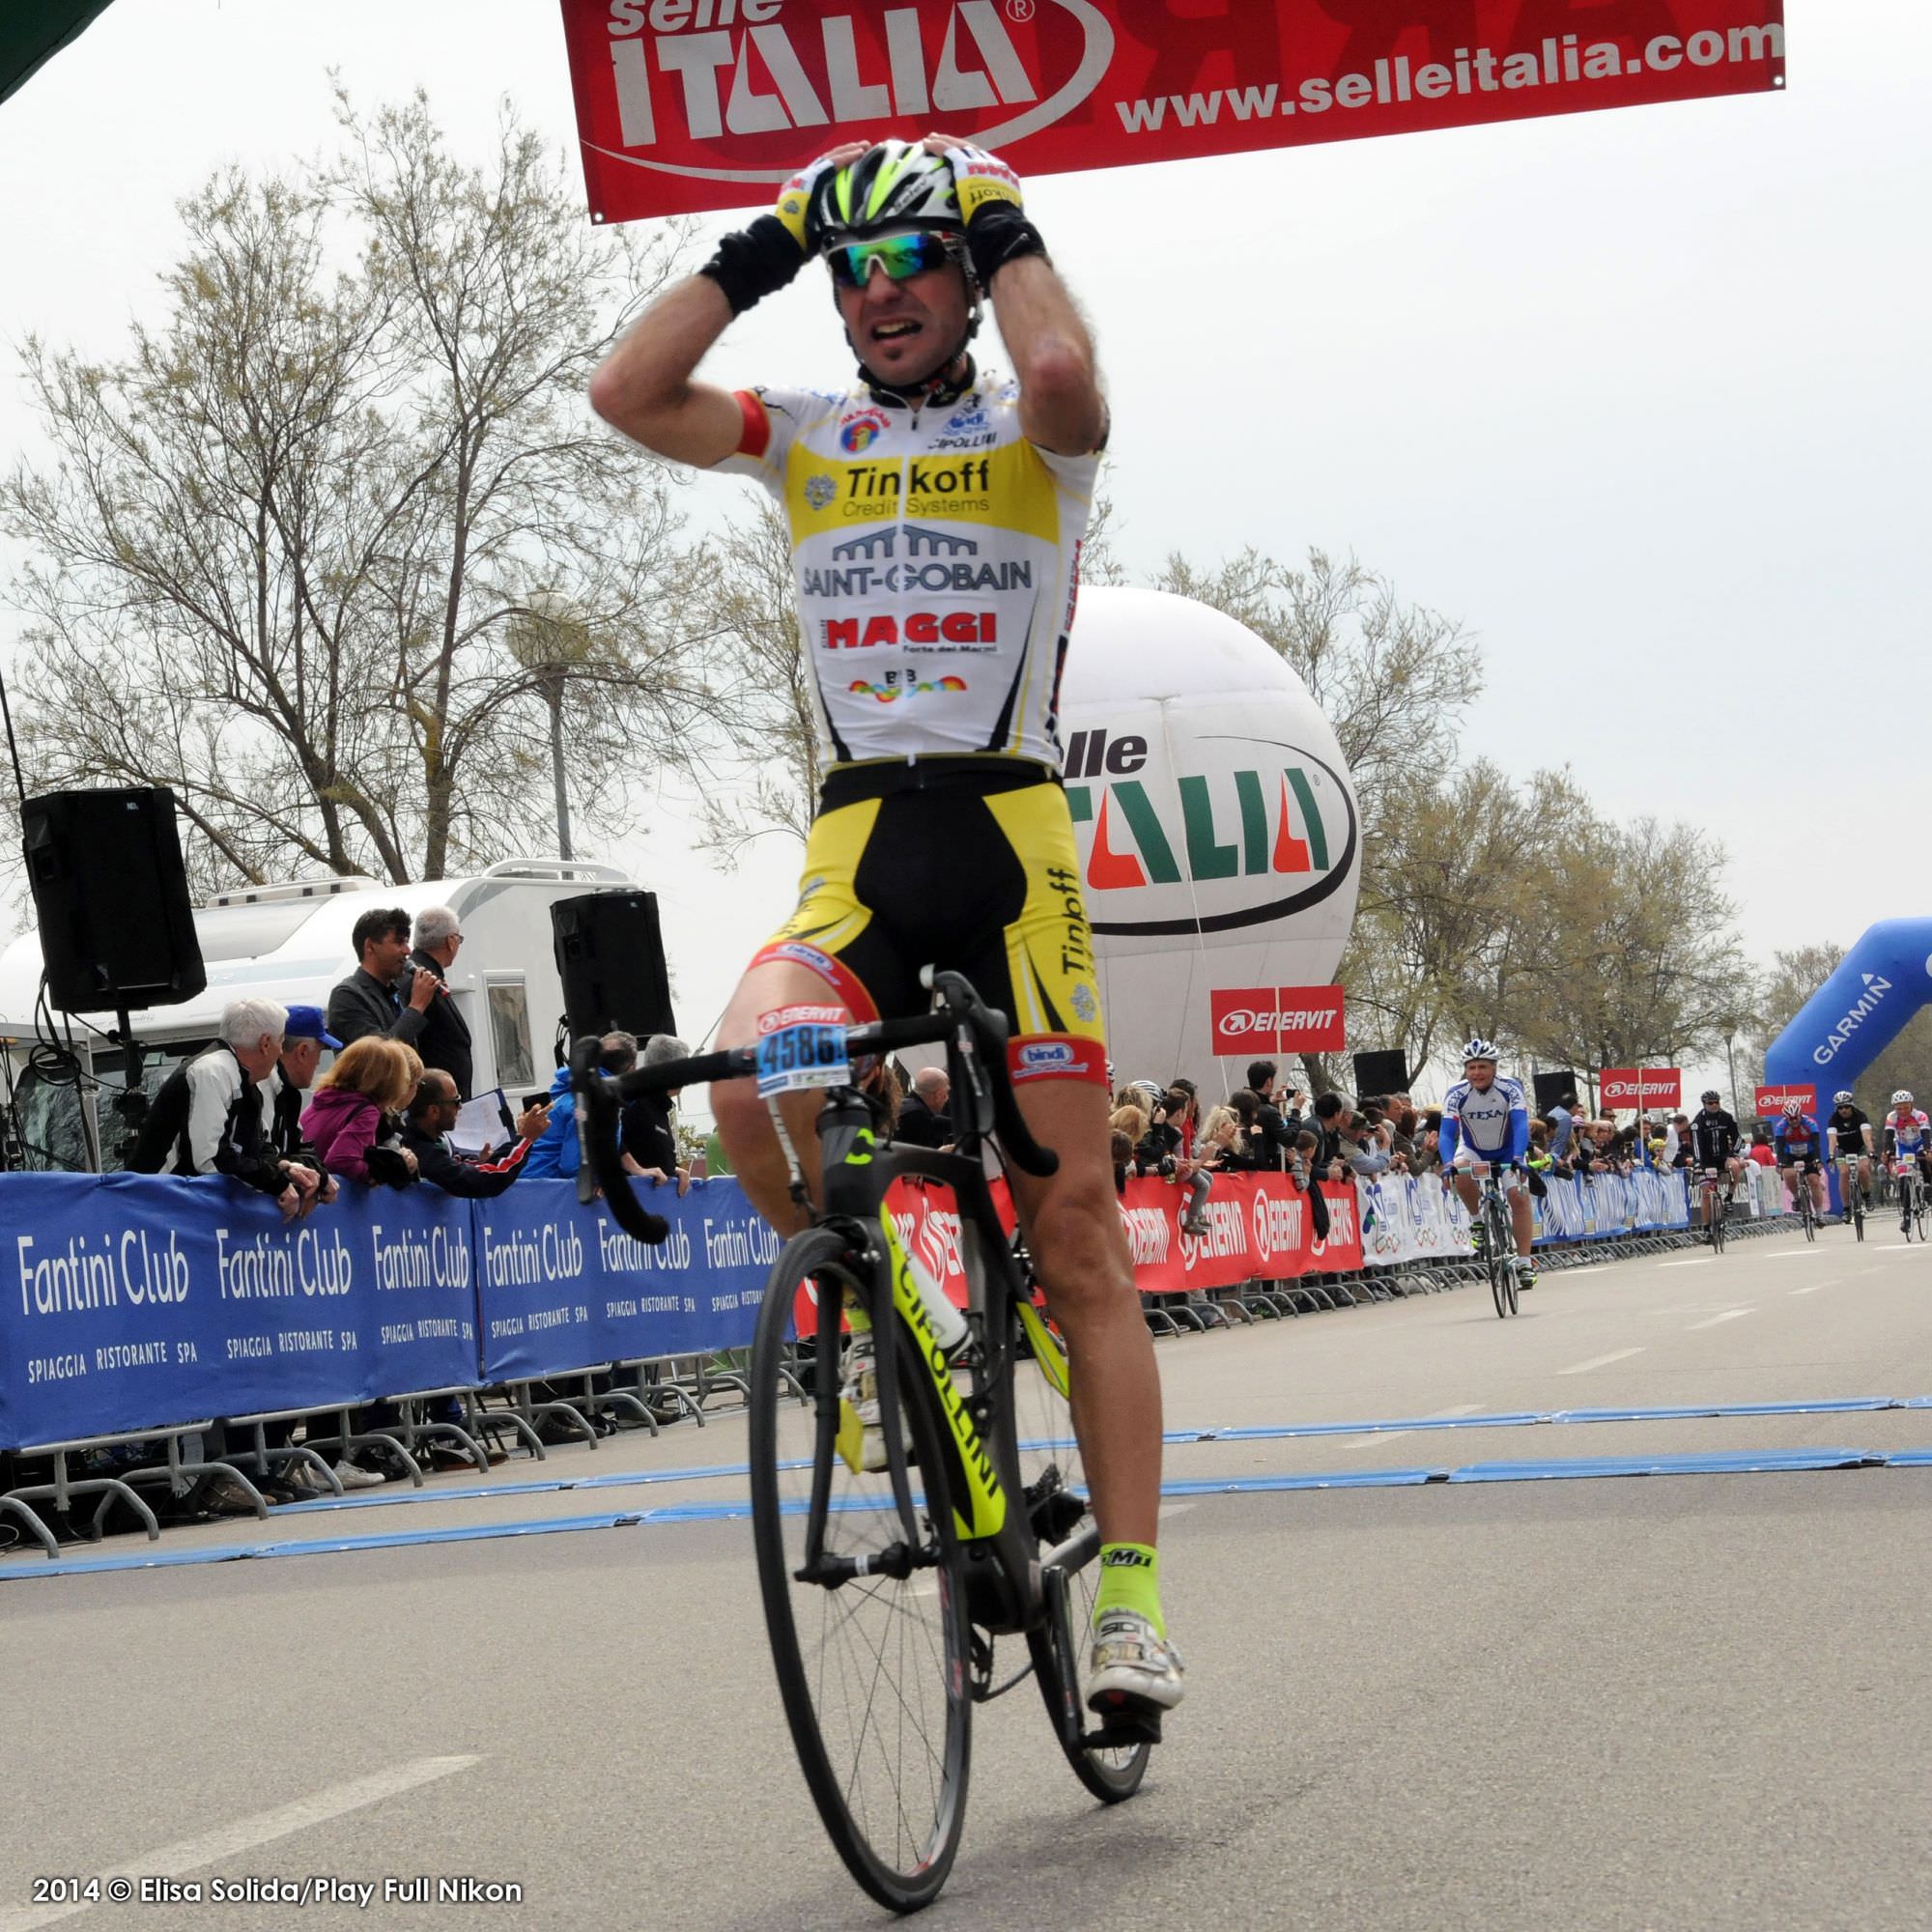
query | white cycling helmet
(1902,1098)
(1842,1098)
(1793,1108)
(1480,1048)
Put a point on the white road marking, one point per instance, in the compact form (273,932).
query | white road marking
(1729,1315)
(1804,1252)
(1695,1261)
(243,1835)
(1599,1362)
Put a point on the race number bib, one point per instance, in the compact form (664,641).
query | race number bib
(802,1047)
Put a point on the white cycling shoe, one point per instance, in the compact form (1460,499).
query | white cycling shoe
(1136,1672)
(861,1439)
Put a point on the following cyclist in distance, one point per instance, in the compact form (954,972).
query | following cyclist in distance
(1906,1139)
(1714,1144)
(1848,1135)
(1799,1150)
(936,512)
(1486,1124)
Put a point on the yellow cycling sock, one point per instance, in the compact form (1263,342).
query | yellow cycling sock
(1130,1580)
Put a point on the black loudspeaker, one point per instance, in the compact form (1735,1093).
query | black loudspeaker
(1551,1087)
(611,959)
(1377,1074)
(117,930)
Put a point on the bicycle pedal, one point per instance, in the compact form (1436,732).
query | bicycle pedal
(1123,1730)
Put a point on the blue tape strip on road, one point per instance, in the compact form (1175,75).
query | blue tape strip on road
(1737,1462)
(618,1478)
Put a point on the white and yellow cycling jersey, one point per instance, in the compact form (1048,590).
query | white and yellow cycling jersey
(936,554)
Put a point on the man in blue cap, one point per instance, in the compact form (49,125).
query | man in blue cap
(303,1038)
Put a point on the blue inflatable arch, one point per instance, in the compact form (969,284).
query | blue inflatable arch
(1857,1012)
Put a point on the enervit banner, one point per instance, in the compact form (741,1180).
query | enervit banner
(1277,1019)
(1259,1229)
(1770,1100)
(1643,1087)
(686,104)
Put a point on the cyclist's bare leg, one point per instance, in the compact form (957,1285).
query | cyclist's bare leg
(1522,1218)
(1467,1188)
(1079,1248)
(743,1122)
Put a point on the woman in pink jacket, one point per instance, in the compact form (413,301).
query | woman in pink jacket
(371,1077)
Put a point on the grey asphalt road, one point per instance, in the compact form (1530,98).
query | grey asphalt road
(1680,1701)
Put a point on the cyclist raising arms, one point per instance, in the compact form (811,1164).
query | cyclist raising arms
(1798,1146)
(1714,1144)
(1850,1136)
(936,513)
(1906,1138)
(1485,1124)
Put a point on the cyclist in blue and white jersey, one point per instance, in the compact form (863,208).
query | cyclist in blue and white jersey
(1485,1124)
(1801,1146)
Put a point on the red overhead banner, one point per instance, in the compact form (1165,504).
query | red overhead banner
(1642,1086)
(687,105)
(1769,1101)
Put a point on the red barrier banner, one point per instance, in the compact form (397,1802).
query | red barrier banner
(1771,1099)
(1259,1229)
(1277,1019)
(1642,1086)
(688,105)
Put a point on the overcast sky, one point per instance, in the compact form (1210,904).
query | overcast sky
(1641,397)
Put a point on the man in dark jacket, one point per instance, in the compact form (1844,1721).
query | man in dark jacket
(923,1121)
(1272,1143)
(367,1001)
(646,1134)
(208,1117)
(445,1034)
(432,1115)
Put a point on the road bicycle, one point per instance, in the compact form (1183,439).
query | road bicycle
(893,1556)
(1851,1194)
(1808,1208)
(1714,1189)
(1496,1230)
(1911,1198)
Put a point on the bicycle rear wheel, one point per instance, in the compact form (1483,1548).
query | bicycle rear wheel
(1717,1201)
(1055,1485)
(874,1671)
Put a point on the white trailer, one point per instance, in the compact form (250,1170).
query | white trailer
(291,943)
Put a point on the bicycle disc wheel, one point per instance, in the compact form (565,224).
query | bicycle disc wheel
(873,1673)
(1056,1495)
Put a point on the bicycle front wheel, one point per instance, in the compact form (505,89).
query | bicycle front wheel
(1500,1249)
(873,1669)
(1055,1486)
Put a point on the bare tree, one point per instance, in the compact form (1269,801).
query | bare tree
(280,561)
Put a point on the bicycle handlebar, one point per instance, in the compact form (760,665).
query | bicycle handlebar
(975,1035)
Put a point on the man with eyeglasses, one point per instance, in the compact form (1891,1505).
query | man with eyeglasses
(936,512)
(444,1040)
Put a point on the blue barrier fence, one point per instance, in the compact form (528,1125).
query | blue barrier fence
(133,1302)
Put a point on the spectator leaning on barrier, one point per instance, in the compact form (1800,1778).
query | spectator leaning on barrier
(368,1001)
(646,1133)
(557,1153)
(1330,1110)
(430,1120)
(444,1040)
(371,1079)
(923,1121)
(1276,1127)
(208,1117)
(303,1038)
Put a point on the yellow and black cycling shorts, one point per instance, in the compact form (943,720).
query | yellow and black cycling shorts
(962,863)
